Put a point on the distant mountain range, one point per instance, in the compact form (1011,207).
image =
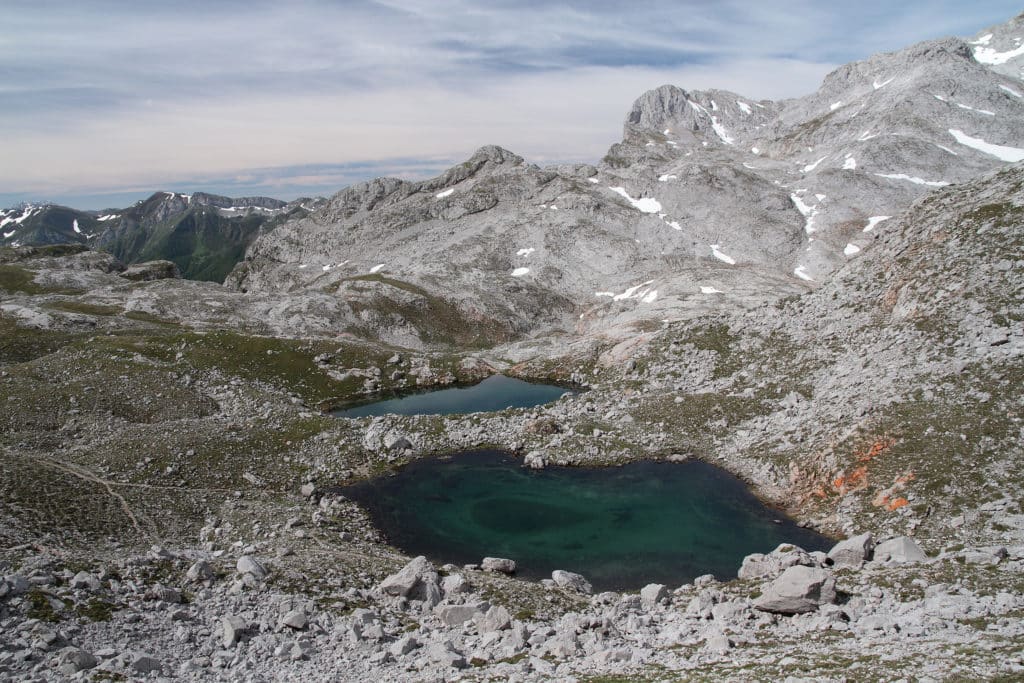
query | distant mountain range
(204,234)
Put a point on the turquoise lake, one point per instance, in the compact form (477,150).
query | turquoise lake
(620,527)
(497,392)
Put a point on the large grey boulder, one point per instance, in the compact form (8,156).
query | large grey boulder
(86,581)
(800,589)
(71,660)
(417,580)
(852,552)
(652,594)
(453,615)
(498,564)
(247,564)
(496,618)
(232,629)
(571,581)
(758,565)
(901,549)
(152,270)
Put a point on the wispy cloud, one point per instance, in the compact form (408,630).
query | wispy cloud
(113,94)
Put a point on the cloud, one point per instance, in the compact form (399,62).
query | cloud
(113,93)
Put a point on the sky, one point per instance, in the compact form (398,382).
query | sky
(103,102)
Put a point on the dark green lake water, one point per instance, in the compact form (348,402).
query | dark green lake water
(494,393)
(621,527)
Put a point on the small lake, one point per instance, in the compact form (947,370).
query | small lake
(620,527)
(497,392)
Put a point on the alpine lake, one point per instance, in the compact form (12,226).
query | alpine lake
(620,527)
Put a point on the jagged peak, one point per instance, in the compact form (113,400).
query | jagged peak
(495,155)
(656,106)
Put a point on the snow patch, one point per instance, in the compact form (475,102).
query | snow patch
(987,55)
(808,212)
(525,252)
(675,225)
(873,221)
(876,85)
(1011,91)
(801,272)
(74,226)
(377,268)
(913,179)
(744,107)
(986,112)
(445,193)
(721,132)
(667,177)
(303,266)
(8,235)
(851,249)
(865,136)
(710,290)
(850,164)
(608,294)
(945,149)
(635,291)
(835,105)
(519,272)
(108,217)
(984,40)
(810,167)
(644,204)
(1001,152)
(755,150)
(595,181)
(650,296)
(722,256)
(820,197)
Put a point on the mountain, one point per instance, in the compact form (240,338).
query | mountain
(204,234)
(711,201)
(823,296)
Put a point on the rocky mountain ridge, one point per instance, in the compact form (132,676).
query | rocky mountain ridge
(203,234)
(711,200)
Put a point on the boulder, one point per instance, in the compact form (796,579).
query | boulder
(453,615)
(71,660)
(232,629)
(571,581)
(454,584)
(445,654)
(403,646)
(496,619)
(652,594)
(759,566)
(534,460)
(901,549)
(85,581)
(498,564)
(247,564)
(152,270)
(397,442)
(295,619)
(145,664)
(799,589)
(417,580)
(200,572)
(853,552)
(164,594)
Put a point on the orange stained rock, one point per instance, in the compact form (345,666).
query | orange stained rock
(897,503)
(879,446)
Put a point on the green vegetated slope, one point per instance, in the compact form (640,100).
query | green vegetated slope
(203,244)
